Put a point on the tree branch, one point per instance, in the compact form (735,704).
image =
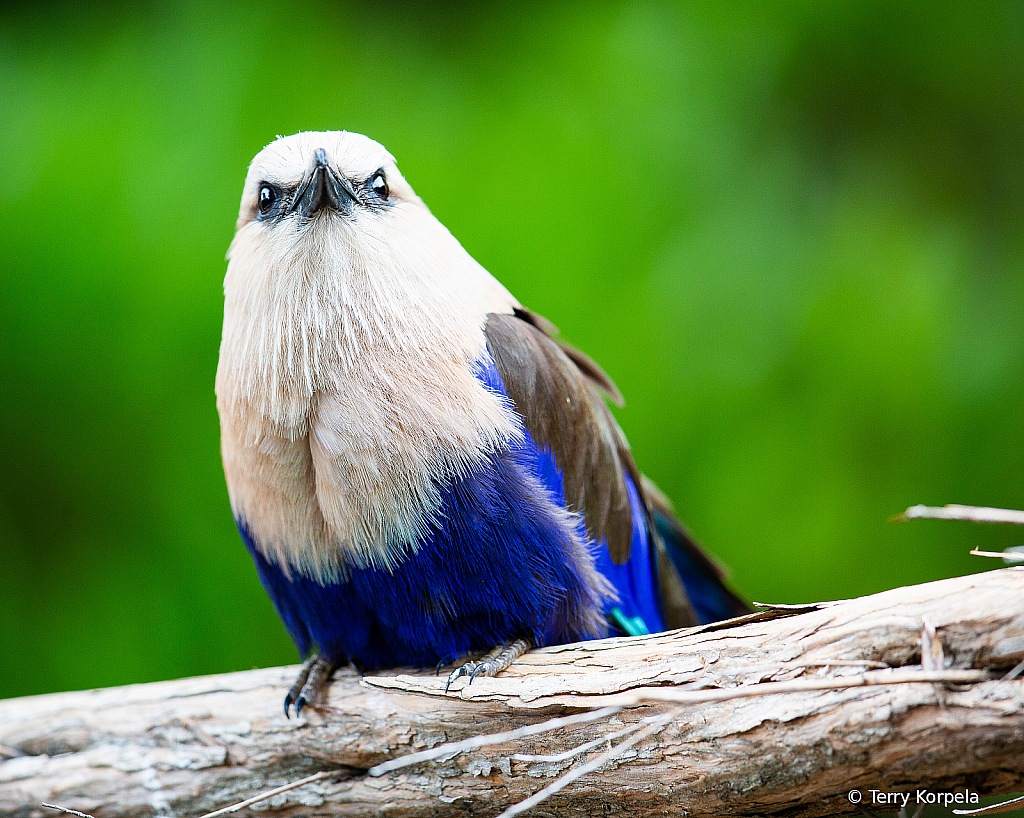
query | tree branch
(783,712)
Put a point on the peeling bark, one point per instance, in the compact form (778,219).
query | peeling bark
(190,746)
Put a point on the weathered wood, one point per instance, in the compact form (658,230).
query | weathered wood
(193,745)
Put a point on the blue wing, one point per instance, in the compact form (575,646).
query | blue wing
(662,577)
(635,580)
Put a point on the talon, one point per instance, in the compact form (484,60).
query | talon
(312,675)
(461,670)
(492,664)
(300,682)
(484,667)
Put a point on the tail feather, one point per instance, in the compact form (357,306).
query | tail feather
(684,565)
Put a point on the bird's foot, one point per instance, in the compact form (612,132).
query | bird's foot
(493,663)
(314,673)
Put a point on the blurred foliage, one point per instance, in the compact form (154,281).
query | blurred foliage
(792,232)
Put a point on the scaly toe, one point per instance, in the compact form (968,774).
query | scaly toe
(300,681)
(485,667)
(493,663)
(311,680)
(461,670)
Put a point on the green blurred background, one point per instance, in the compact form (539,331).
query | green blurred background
(792,232)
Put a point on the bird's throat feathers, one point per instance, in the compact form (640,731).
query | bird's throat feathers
(309,309)
(346,387)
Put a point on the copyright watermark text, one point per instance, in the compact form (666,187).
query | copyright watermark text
(902,799)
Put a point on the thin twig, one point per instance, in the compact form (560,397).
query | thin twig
(992,809)
(835,663)
(68,811)
(1009,556)
(583,748)
(975,514)
(590,766)
(871,677)
(1013,674)
(495,738)
(309,779)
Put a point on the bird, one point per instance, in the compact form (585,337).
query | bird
(422,470)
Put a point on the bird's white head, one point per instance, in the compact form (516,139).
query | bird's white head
(297,181)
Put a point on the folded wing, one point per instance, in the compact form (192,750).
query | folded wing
(559,393)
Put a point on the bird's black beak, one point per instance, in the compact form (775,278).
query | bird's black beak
(321,187)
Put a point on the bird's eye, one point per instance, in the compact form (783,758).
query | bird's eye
(267,197)
(379,185)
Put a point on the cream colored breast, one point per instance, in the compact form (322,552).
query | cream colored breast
(345,386)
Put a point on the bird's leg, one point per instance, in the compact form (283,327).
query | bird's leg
(493,663)
(300,680)
(312,675)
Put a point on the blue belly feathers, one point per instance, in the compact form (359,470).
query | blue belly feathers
(498,563)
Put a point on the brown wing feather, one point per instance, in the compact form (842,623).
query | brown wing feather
(558,392)
(561,405)
(587,365)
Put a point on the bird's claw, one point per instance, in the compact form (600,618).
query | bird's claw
(461,670)
(300,702)
(492,664)
(312,675)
